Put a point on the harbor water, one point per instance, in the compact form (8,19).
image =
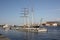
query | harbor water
(53,33)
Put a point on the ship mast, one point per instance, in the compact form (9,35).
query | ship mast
(40,24)
(32,10)
(25,16)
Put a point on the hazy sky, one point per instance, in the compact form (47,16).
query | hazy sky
(10,10)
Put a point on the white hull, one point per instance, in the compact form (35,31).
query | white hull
(36,29)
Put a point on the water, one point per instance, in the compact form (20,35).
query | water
(52,34)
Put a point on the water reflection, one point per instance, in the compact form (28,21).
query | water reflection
(52,34)
(31,36)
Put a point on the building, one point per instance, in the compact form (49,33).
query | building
(52,23)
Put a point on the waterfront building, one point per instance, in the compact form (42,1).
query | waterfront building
(52,23)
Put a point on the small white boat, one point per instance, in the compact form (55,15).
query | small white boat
(6,27)
(42,30)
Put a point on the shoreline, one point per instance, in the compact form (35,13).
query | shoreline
(2,37)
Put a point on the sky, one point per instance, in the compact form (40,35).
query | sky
(10,10)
